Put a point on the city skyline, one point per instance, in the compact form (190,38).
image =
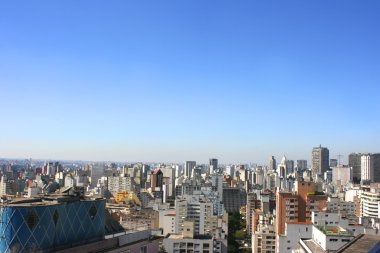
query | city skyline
(178,81)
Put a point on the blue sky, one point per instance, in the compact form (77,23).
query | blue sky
(188,80)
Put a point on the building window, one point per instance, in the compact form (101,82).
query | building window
(144,249)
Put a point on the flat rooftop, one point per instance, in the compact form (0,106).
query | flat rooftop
(180,236)
(334,231)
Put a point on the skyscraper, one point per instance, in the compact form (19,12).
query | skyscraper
(289,166)
(213,165)
(320,160)
(354,161)
(376,167)
(367,168)
(272,164)
(301,164)
(189,166)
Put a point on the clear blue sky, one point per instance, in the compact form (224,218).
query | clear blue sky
(188,80)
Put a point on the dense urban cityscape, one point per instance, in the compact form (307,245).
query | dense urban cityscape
(283,206)
(189,126)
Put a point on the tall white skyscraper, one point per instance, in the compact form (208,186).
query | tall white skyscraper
(367,168)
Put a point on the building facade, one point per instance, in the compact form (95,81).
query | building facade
(48,225)
(320,160)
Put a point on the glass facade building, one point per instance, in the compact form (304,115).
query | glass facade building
(46,226)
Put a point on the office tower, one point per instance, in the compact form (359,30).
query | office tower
(367,168)
(333,163)
(289,166)
(213,165)
(320,160)
(354,161)
(272,164)
(97,171)
(301,164)
(376,167)
(189,166)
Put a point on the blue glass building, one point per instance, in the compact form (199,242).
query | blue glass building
(46,225)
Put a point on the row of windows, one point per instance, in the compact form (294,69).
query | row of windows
(335,240)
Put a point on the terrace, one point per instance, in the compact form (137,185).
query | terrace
(334,231)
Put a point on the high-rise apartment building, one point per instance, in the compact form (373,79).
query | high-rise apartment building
(370,201)
(297,206)
(264,238)
(320,160)
(253,203)
(367,168)
(119,184)
(198,209)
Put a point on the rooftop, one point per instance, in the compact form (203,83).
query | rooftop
(362,244)
(334,231)
(315,248)
(44,200)
(180,236)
